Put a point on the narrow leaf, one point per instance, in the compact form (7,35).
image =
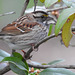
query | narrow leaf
(56,71)
(55,62)
(26,65)
(50,29)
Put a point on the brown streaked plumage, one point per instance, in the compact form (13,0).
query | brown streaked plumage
(26,30)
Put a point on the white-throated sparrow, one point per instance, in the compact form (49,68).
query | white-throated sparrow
(26,31)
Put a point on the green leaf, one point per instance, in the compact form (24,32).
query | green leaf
(18,62)
(26,65)
(48,3)
(42,1)
(4,54)
(67,2)
(63,18)
(17,65)
(56,71)
(50,29)
(18,55)
(17,70)
(55,62)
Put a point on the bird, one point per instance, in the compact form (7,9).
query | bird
(26,31)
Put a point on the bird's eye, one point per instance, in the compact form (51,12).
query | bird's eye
(42,16)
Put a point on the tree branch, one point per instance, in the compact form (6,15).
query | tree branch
(51,66)
(24,7)
(7,68)
(9,13)
(35,4)
(60,8)
(4,67)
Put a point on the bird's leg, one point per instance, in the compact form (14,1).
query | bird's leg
(24,56)
(27,54)
(24,53)
(28,57)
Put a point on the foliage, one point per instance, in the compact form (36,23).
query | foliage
(19,66)
(50,29)
(17,63)
(64,22)
(55,62)
(56,71)
(66,31)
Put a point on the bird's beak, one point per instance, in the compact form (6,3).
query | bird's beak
(51,20)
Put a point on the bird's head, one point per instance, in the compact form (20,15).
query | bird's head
(40,16)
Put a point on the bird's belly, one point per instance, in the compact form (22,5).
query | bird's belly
(18,47)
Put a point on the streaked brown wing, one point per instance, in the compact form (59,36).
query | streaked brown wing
(16,28)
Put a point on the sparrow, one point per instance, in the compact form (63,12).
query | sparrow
(26,31)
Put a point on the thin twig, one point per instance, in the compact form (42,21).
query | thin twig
(9,13)
(24,7)
(60,8)
(35,4)
(7,68)
(4,67)
(51,66)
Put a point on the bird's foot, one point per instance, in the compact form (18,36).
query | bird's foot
(33,48)
(24,56)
